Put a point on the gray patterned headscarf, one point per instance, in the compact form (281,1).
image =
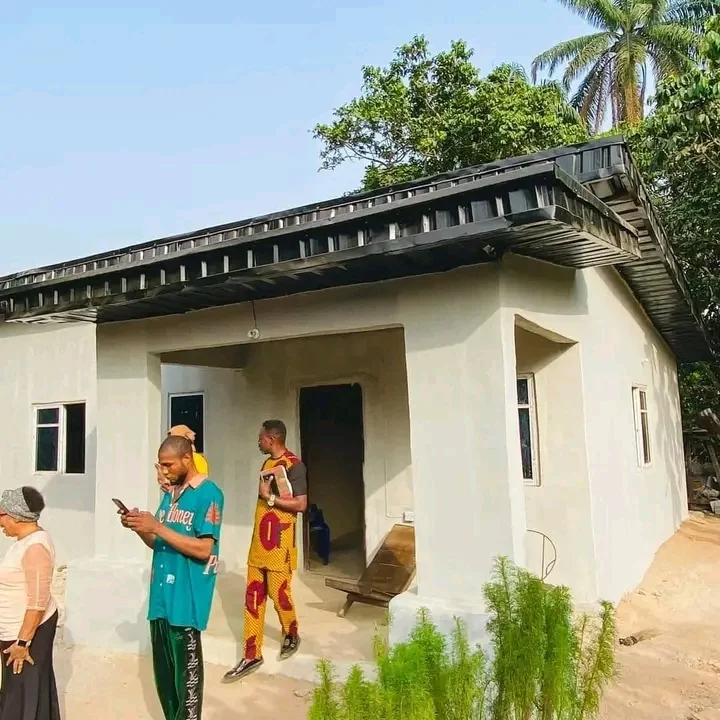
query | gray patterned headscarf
(13,503)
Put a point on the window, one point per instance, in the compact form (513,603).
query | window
(527,416)
(642,426)
(190,410)
(60,439)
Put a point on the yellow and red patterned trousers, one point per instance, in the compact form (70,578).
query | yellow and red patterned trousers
(261,584)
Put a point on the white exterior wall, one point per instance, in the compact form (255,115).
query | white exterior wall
(451,383)
(237,401)
(224,429)
(45,365)
(632,509)
(560,507)
(461,410)
(625,350)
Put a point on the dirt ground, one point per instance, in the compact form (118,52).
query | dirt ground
(673,673)
(120,687)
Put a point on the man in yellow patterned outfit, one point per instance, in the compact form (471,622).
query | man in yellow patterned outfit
(273,552)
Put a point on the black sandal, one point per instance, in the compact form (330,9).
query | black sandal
(290,646)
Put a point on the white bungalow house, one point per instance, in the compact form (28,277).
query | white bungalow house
(490,354)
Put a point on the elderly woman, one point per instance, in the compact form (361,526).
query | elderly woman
(28,613)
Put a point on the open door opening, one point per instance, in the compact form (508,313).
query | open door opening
(333,448)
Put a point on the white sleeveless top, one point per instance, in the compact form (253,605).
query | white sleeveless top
(16,595)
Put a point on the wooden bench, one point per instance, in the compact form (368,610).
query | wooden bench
(390,572)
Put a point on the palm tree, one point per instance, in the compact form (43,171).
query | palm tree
(633,38)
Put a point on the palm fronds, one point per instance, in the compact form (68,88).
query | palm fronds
(635,37)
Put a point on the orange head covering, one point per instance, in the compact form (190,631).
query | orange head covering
(183,431)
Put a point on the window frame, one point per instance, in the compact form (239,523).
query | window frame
(531,407)
(61,424)
(196,393)
(643,451)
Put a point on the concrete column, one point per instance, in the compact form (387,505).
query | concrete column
(467,480)
(106,596)
(129,433)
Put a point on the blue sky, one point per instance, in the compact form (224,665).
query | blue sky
(120,125)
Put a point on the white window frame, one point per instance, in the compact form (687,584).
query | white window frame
(531,406)
(62,436)
(201,393)
(644,454)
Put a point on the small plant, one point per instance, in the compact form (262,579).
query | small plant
(544,666)
(416,680)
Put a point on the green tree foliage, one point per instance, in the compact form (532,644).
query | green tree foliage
(425,114)
(678,149)
(633,38)
(544,664)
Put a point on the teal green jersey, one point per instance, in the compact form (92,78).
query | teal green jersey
(181,588)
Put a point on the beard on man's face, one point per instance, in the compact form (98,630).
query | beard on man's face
(180,478)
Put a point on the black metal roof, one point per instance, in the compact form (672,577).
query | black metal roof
(579,206)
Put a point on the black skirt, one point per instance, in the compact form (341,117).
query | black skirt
(32,695)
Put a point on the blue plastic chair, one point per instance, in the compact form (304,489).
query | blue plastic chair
(319,533)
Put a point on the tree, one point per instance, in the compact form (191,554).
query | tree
(633,38)
(424,114)
(678,149)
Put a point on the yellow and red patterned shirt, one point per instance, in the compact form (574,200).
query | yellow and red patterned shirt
(274,545)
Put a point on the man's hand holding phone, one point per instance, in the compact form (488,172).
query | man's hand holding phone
(141,521)
(123,512)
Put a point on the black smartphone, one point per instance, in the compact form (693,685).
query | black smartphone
(121,506)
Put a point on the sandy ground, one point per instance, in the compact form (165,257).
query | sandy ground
(674,672)
(120,687)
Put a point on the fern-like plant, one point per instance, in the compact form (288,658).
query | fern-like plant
(544,665)
(595,666)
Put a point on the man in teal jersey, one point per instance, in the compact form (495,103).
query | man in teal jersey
(184,536)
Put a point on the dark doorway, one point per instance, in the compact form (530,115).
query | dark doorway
(333,449)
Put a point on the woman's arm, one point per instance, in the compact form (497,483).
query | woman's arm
(38,568)
(30,625)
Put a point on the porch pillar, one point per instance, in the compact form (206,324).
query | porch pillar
(106,596)
(128,428)
(467,479)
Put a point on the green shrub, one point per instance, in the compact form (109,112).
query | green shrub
(544,665)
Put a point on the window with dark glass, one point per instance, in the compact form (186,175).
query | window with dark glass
(75,438)
(47,439)
(190,410)
(60,439)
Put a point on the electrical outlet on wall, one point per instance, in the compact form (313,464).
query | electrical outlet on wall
(409,516)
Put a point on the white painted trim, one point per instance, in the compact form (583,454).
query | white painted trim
(62,437)
(637,421)
(534,430)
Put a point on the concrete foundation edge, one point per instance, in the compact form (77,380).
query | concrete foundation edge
(106,606)
(405,608)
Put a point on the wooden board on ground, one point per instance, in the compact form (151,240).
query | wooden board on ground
(390,572)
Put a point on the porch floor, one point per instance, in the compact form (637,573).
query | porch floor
(344,641)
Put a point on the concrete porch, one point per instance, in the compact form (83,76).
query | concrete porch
(345,641)
(435,359)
